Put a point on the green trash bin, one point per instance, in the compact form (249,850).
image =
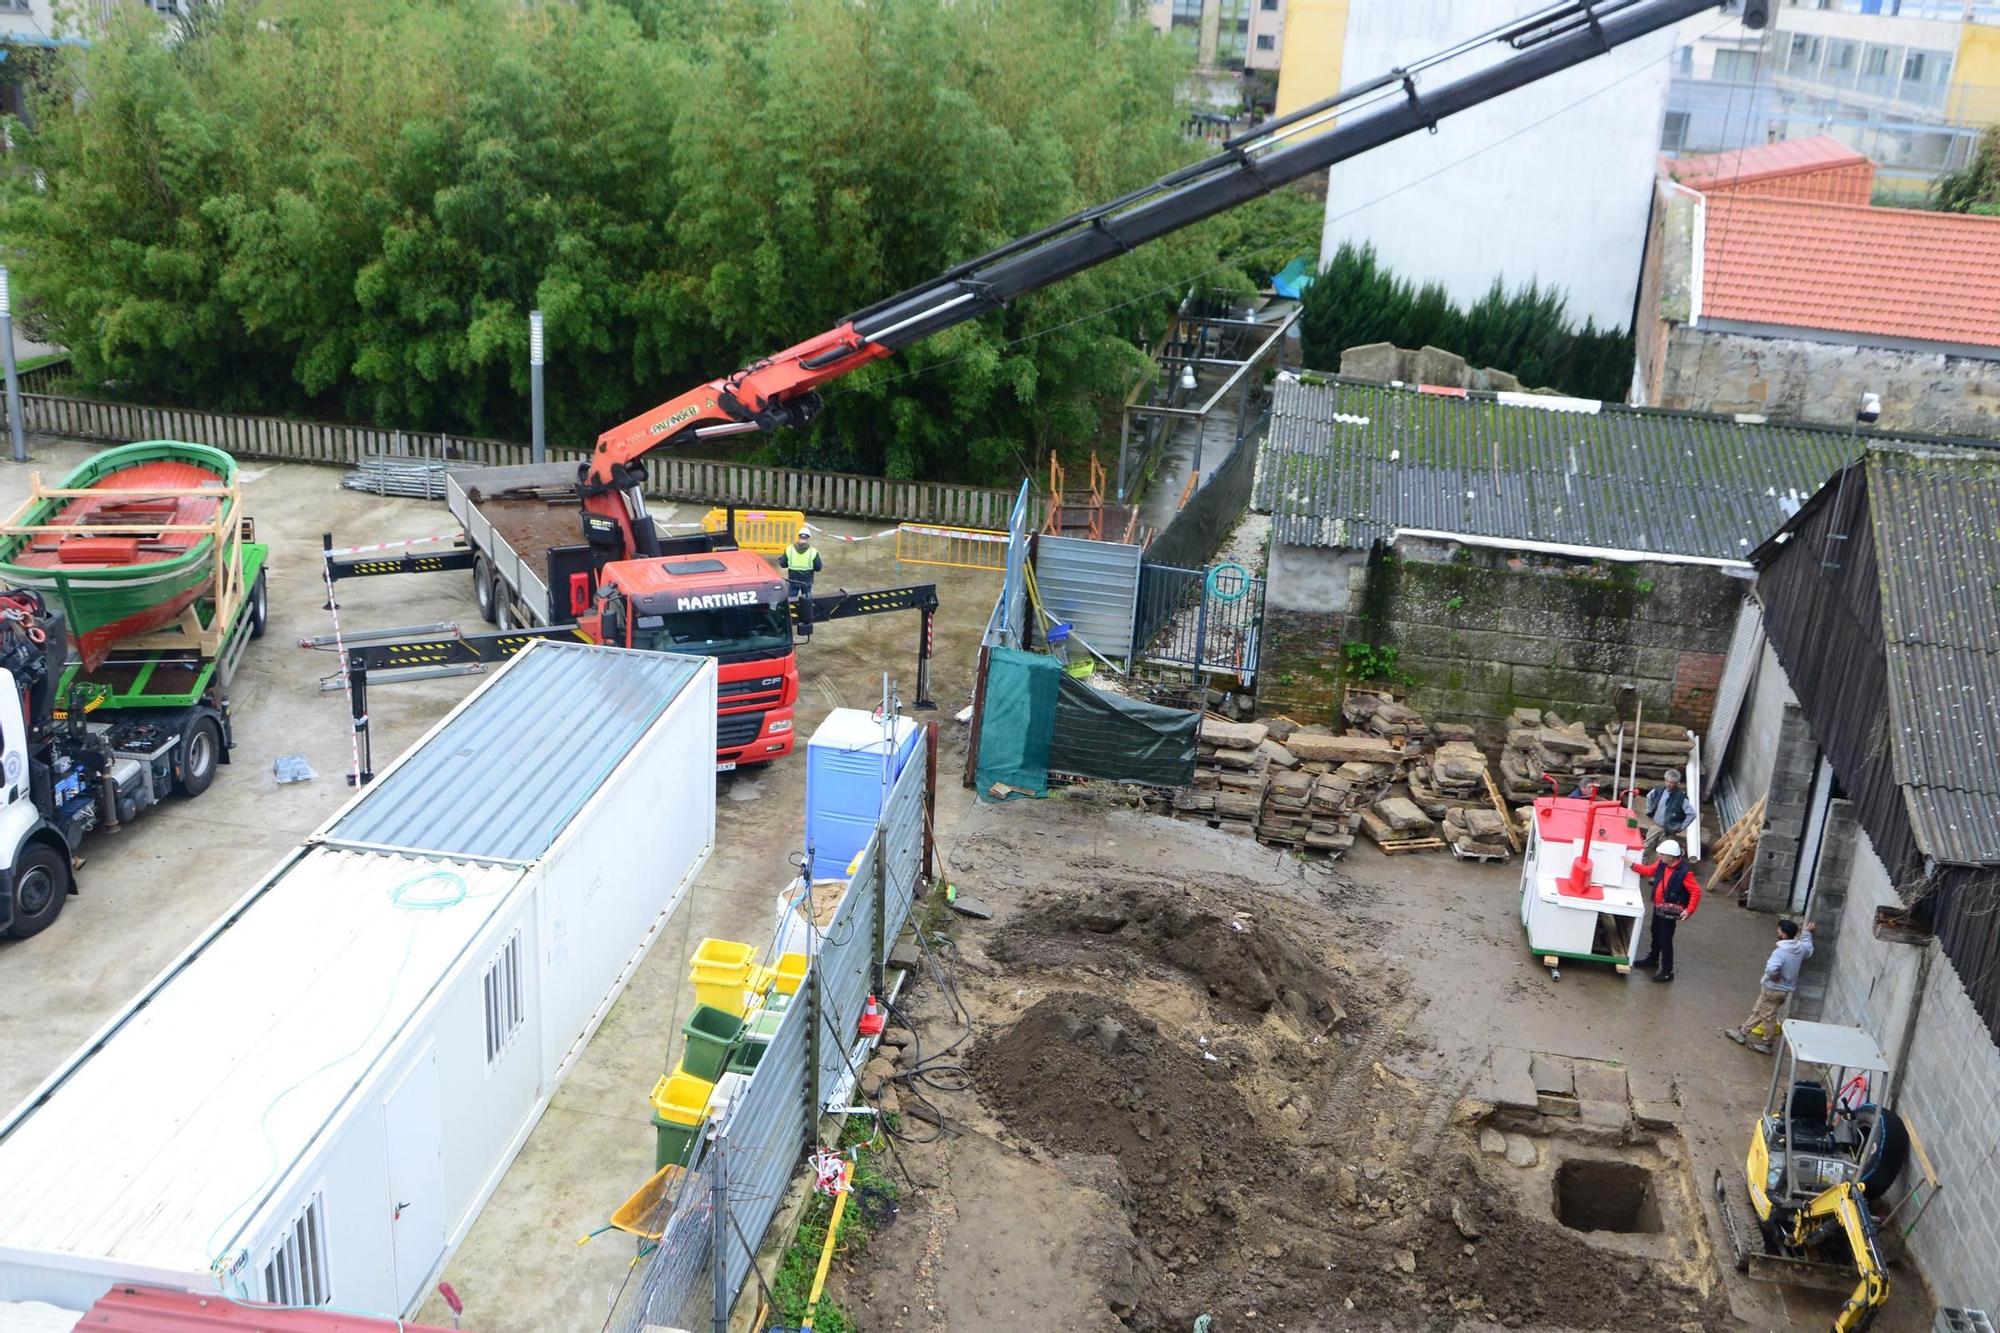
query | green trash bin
(744,1058)
(672,1141)
(710,1032)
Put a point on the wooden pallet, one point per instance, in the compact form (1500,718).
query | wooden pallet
(1738,845)
(1464,855)
(1412,845)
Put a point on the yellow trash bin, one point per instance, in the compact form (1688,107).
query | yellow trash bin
(720,972)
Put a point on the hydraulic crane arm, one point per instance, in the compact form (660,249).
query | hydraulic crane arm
(1843,1211)
(782,390)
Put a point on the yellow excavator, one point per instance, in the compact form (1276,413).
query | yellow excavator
(1823,1159)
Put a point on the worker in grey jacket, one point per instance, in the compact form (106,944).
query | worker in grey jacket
(1667,805)
(1780,979)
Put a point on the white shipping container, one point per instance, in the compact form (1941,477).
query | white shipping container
(311,1105)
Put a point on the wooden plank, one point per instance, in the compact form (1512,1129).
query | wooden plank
(1500,806)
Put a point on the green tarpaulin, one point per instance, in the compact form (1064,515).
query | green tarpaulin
(1105,735)
(1017,722)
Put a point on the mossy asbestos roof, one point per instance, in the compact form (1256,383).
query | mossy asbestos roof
(1937,553)
(1347,462)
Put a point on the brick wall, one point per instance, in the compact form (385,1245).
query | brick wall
(1482,632)
(1302,675)
(1950,1086)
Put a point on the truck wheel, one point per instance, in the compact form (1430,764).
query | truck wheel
(41,883)
(483,591)
(260,607)
(503,611)
(201,750)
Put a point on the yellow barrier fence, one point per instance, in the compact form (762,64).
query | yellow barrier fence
(955,548)
(765,531)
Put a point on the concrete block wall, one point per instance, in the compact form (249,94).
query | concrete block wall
(1790,789)
(1827,908)
(1482,632)
(1950,1087)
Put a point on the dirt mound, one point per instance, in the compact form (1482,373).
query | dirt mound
(1251,953)
(1306,1215)
(1085,1074)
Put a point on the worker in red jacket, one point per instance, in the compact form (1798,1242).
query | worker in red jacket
(1676,893)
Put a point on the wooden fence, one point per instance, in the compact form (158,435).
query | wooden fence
(704,481)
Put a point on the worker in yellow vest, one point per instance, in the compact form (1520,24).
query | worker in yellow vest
(801,563)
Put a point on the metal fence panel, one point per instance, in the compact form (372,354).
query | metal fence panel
(1206,620)
(1003,628)
(1093,586)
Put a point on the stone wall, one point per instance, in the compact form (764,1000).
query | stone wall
(1799,380)
(1482,632)
(1949,1086)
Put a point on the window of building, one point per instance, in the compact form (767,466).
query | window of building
(1736,66)
(1842,57)
(1803,56)
(1187,14)
(1926,67)
(1673,132)
(1266,42)
(1684,61)
(506,1005)
(1875,62)
(295,1274)
(1270,6)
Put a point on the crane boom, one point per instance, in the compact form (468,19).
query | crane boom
(782,390)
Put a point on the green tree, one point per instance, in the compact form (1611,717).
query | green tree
(347,207)
(1974,187)
(1527,331)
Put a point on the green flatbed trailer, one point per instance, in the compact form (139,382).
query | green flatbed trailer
(174,678)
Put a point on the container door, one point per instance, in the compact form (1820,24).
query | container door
(414,1142)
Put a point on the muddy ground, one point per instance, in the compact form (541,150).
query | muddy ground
(1187,1075)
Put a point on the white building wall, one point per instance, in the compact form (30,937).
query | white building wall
(1950,1086)
(1564,202)
(1753,745)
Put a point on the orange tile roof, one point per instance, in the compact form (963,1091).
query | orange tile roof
(1765,161)
(1842,268)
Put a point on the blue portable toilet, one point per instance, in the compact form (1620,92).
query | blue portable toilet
(845,783)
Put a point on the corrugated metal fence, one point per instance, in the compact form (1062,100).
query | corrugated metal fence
(727,1199)
(1093,587)
(669,478)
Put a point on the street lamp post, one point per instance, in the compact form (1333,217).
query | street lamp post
(13,374)
(540,439)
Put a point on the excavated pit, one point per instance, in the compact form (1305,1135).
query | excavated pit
(1597,1195)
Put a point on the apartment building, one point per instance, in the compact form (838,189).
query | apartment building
(1226,34)
(1910,83)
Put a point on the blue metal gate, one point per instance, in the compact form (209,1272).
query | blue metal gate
(1206,620)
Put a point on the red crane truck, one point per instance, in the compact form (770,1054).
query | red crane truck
(783,389)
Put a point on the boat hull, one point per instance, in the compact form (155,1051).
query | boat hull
(158,557)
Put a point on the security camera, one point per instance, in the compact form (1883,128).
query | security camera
(1871,409)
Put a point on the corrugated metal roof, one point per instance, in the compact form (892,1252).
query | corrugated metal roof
(1347,462)
(163,1142)
(1936,515)
(501,775)
(129,1309)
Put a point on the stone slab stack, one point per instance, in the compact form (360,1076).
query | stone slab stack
(1564,751)
(1231,772)
(1661,747)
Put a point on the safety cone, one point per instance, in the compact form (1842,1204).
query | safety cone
(872,1019)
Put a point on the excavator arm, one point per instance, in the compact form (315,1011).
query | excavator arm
(782,390)
(1843,1211)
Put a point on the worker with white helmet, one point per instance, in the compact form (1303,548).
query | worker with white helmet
(1676,893)
(801,560)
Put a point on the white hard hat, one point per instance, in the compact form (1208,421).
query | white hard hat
(805,532)
(1671,847)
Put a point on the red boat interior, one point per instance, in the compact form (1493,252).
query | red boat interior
(84,550)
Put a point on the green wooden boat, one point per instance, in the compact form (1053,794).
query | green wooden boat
(129,543)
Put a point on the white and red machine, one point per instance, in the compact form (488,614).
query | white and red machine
(1581,897)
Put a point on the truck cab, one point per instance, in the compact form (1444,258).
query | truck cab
(728,604)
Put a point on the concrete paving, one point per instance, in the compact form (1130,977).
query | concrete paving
(150,890)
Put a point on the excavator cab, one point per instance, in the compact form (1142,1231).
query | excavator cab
(1822,1159)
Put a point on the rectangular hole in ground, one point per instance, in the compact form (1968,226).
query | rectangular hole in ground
(1596,1195)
